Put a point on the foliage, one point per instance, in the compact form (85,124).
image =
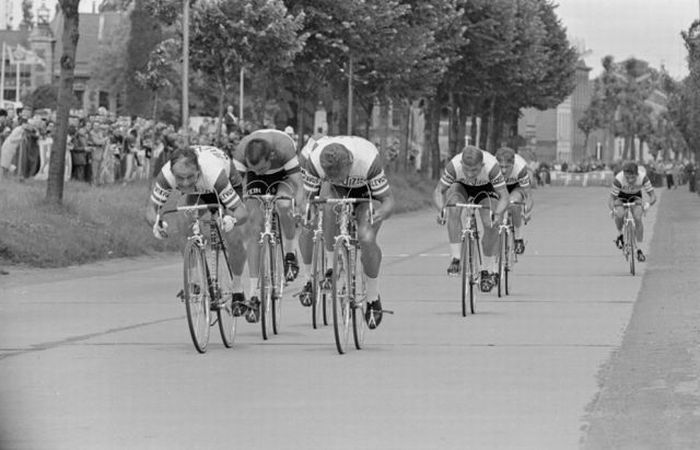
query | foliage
(687,112)
(45,96)
(107,69)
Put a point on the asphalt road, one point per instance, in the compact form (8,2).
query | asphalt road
(99,356)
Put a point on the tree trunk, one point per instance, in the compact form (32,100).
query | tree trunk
(70,35)
(453,127)
(335,117)
(462,125)
(220,114)
(491,131)
(432,138)
(300,123)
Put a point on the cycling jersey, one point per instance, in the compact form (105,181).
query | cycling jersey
(283,157)
(366,168)
(518,175)
(216,176)
(490,173)
(620,187)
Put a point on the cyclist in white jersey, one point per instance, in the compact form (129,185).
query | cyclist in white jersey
(352,167)
(473,175)
(628,186)
(205,170)
(515,171)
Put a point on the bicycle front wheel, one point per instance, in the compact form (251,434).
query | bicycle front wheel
(359,300)
(468,276)
(510,261)
(341,297)
(631,241)
(227,321)
(502,262)
(318,293)
(196,295)
(265,280)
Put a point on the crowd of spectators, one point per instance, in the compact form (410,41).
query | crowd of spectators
(103,148)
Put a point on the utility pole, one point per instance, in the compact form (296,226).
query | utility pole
(186,70)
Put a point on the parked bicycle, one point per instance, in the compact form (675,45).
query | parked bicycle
(207,276)
(271,278)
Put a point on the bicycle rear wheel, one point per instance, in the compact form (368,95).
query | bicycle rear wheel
(341,297)
(510,260)
(630,241)
(278,280)
(265,279)
(318,294)
(359,300)
(468,278)
(227,321)
(196,295)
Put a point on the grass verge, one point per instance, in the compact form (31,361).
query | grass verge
(96,223)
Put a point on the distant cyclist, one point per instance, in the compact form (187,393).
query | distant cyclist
(269,162)
(515,170)
(473,175)
(628,185)
(352,167)
(208,170)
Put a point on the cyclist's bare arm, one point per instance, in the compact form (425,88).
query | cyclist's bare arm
(385,208)
(439,196)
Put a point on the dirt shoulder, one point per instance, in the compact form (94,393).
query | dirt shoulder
(650,396)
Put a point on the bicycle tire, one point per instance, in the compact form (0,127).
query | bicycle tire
(278,280)
(466,275)
(318,294)
(631,241)
(227,321)
(196,295)
(502,261)
(265,280)
(510,259)
(359,300)
(473,269)
(341,297)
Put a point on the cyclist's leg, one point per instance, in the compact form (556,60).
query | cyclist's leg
(371,257)
(330,226)
(288,225)
(253,227)
(619,217)
(489,239)
(457,193)
(517,195)
(639,230)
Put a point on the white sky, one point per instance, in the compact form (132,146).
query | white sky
(646,29)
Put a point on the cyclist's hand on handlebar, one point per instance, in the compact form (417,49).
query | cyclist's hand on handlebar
(227,223)
(442,217)
(645,206)
(160,228)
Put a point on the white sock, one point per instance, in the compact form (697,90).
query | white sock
(490,263)
(307,270)
(237,284)
(290,245)
(456,250)
(372,285)
(517,233)
(253,287)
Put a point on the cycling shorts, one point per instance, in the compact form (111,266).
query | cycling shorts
(346,192)
(623,197)
(473,193)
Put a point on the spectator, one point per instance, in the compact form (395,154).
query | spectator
(230,120)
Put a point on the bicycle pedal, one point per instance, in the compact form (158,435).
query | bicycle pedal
(387,311)
(181,295)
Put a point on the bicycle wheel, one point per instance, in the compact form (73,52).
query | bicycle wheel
(341,297)
(359,300)
(502,262)
(278,280)
(196,294)
(227,321)
(466,276)
(630,241)
(318,294)
(510,259)
(265,280)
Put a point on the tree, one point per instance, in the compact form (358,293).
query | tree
(689,120)
(27,15)
(70,36)
(107,69)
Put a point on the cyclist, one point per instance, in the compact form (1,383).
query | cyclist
(515,171)
(473,175)
(628,185)
(269,161)
(205,169)
(353,168)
